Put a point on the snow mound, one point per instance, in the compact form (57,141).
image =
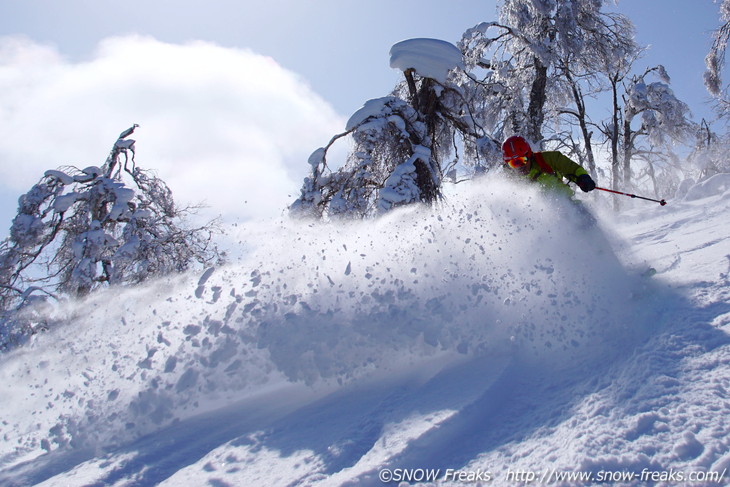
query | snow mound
(714,185)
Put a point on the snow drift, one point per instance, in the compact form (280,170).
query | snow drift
(498,278)
(482,275)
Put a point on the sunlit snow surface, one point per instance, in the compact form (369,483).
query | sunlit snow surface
(496,331)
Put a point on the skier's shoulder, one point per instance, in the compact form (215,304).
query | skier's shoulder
(561,163)
(549,155)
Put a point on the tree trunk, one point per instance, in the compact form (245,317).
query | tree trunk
(583,123)
(426,185)
(536,107)
(412,87)
(628,150)
(614,140)
(426,103)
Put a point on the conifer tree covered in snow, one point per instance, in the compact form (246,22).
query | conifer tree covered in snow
(79,229)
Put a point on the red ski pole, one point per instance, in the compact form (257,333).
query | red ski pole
(661,202)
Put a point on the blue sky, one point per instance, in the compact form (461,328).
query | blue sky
(339,46)
(68,90)
(677,34)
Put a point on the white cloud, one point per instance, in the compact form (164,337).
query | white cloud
(220,125)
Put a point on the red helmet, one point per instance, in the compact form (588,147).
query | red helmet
(515,147)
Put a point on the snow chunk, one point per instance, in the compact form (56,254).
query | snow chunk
(64,202)
(123,196)
(371,108)
(26,229)
(689,448)
(90,173)
(60,175)
(317,157)
(127,251)
(431,58)
(401,186)
(125,144)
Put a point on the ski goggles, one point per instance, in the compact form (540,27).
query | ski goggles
(517,162)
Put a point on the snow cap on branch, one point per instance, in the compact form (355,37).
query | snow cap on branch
(430,58)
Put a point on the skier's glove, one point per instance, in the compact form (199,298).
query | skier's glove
(585,183)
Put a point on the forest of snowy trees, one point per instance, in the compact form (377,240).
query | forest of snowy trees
(539,71)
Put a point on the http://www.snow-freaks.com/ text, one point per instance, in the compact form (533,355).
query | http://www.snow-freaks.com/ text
(549,476)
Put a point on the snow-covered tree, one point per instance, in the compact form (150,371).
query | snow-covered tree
(534,59)
(79,229)
(663,121)
(615,74)
(402,142)
(715,59)
(380,145)
(609,48)
(709,153)
(647,122)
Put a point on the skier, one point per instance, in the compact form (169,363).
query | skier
(547,167)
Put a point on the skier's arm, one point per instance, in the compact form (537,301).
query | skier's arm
(564,165)
(572,171)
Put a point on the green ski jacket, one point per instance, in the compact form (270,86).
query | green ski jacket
(550,167)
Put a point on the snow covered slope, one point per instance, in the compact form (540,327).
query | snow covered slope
(498,335)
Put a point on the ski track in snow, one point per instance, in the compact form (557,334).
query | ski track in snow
(495,333)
